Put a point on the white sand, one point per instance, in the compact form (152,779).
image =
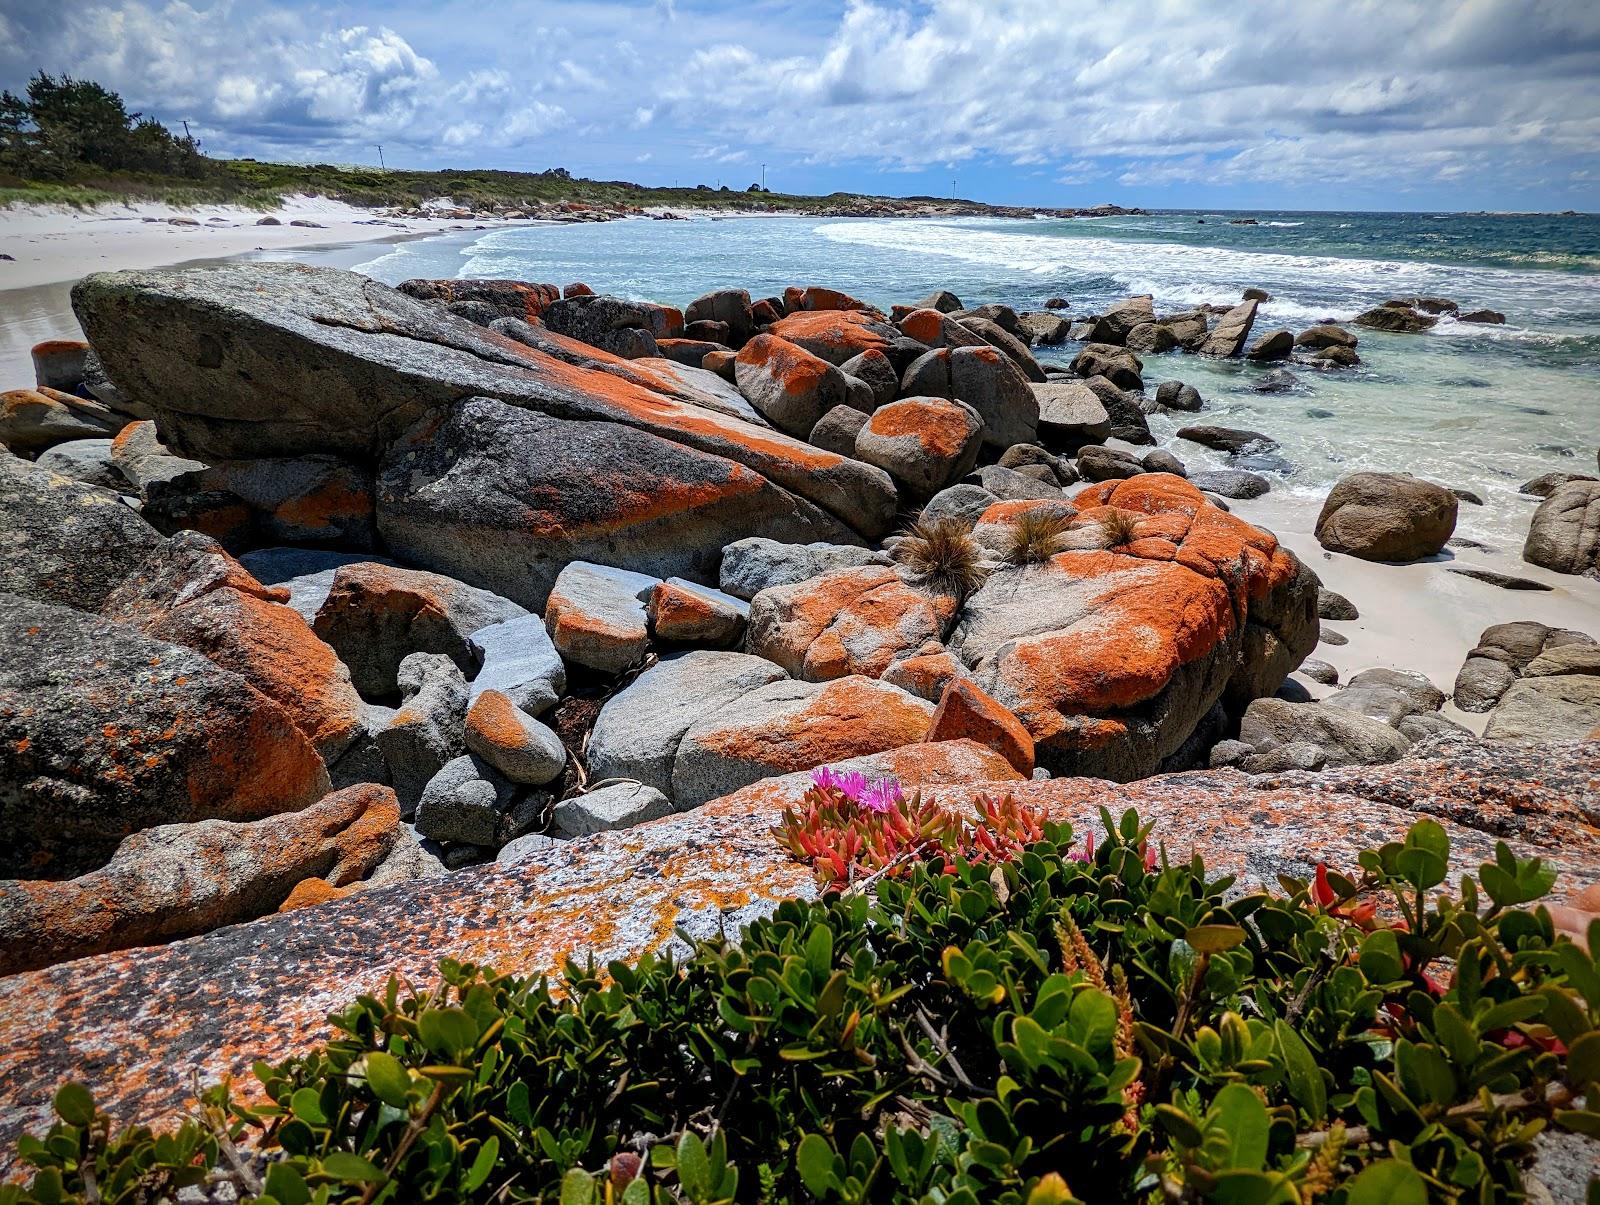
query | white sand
(1420,616)
(54,244)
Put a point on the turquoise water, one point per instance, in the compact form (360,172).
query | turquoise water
(1475,406)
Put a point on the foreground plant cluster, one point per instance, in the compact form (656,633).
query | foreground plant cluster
(988,1012)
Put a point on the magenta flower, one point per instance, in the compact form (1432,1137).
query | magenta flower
(882,795)
(852,784)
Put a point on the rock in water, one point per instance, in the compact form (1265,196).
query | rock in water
(1233,328)
(244,361)
(503,498)
(1386,517)
(104,732)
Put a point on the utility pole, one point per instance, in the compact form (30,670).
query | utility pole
(381,166)
(952,188)
(185,123)
(763,177)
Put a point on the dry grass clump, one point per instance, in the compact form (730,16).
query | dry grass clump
(944,553)
(1119,525)
(1035,536)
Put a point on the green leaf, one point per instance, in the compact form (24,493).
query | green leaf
(388,1079)
(1214,939)
(447,1031)
(694,1169)
(286,1185)
(1583,1061)
(1387,1182)
(1249,1187)
(306,1104)
(75,1104)
(342,1165)
(1579,1122)
(1305,1077)
(1380,957)
(1239,1114)
(578,1188)
(814,1160)
(478,1173)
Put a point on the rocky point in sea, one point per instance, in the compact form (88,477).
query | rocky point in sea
(347,628)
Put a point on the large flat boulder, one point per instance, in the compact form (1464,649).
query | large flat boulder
(245,361)
(502,497)
(104,732)
(176,880)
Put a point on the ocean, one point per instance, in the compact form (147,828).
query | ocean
(1479,407)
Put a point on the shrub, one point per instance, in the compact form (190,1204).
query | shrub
(1055,1027)
(1119,526)
(1035,536)
(944,553)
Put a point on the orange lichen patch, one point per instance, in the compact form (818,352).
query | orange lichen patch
(308,893)
(719,362)
(1140,630)
(786,620)
(679,614)
(1098,494)
(637,501)
(849,717)
(818,297)
(331,505)
(495,720)
(258,768)
(966,711)
(836,335)
(874,628)
(925,326)
(941,428)
(924,674)
(1001,513)
(271,647)
(798,370)
(1152,548)
(56,347)
(1157,493)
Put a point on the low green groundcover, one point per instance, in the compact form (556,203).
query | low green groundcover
(983,1022)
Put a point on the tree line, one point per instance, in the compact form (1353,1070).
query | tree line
(63,126)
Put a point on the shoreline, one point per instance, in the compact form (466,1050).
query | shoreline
(1416,616)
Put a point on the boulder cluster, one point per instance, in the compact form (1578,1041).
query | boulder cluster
(361,584)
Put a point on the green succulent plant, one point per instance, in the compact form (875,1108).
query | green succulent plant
(1047,1025)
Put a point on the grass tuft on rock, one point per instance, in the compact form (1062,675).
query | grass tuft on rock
(944,554)
(1035,536)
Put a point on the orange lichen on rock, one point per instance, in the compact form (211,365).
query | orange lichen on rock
(967,711)
(835,335)
(494,720)
(797,369)
(940,427)
(925,326)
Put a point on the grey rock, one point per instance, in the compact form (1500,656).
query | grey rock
(143,460)
(1071,415)
(1162,461)
(1333,605)
(1117,364)
(596,615)
(363,761)
(1428,723)
(612,324)
(1275,345)
(729,306)
(307,573)
(1329,636)
(1325,335)
(504,498)
(532,756)
(1227,439)
(1493,577)
(1319,671)
(1118,322)
(375,615)
(1175,395)
(942,300)
(1107,464)
(1009,485)
(1045,329)
(875,369)
(962,502)
(1482,682)
(638,731)
(751,565)
(429,729)
(1227,338)
(1151,337)
(1232,483)
(517,658)
(303,500)
(533,847)
(984,379)
(1279,380)
(1550,707)
(85,460)
(1346,738)
(463,803)
(1015,348)
(1126,410)
(836,431)
(1541,486)
(65,542)
(1296,755)
(1388,695)
(1228,753)
(622,805)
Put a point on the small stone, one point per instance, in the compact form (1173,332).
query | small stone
(1333,605)
(1320,671)
(516,744)
(462,802)
(596,615)
(621,806)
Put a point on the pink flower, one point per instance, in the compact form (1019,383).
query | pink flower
(852,784)
(882,795)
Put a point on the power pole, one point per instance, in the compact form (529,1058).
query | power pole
(185,123)
(763,177)
(381,166)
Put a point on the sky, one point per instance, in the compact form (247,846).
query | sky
(1479,104)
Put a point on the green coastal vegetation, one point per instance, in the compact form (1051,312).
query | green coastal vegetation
(996,1014)
(74,142)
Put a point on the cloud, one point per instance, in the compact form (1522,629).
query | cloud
(1170,94)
